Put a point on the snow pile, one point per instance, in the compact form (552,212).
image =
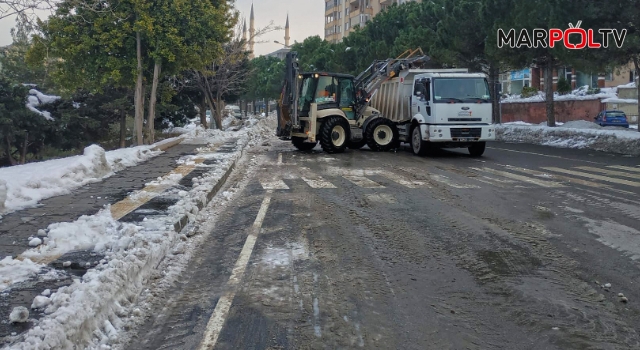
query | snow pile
(575,134)
(13,271)
(37,98)
(577,94)
(28,184)
(94,308)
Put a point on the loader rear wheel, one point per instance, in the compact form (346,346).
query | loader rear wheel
(334,134)
(418,146)
(381,135)
(477,149)
(298,142)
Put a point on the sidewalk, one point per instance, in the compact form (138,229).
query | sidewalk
(17,227)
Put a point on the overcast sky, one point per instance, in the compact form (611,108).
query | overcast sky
(306,18)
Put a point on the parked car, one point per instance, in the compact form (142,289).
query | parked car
(234,111)
(612,118)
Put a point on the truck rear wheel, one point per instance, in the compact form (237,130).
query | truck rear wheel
(334,134)
(477,149)
(418,146)
(298,142)
(381,135)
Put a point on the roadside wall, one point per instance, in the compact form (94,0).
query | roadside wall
(536,113)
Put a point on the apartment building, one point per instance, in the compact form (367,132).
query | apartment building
(342,16)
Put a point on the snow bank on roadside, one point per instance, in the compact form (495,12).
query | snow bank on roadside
(30,183)
(575,134)
(577,94)
(93,309)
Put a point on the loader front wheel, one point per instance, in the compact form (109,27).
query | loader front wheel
(298,142)
(381,135)
(418,146)
(334,134)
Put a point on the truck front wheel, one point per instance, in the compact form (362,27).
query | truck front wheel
(418,146)
(381,135)
(477,149)
(334,134)
(298,142)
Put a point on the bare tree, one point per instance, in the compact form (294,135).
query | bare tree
(228,73)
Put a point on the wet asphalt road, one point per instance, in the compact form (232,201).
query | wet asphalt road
(392,251)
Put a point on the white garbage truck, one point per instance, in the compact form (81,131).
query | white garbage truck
(438,108)
(393,101)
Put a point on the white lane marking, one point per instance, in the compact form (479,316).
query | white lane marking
(402,180)
(363,181)
(545,155)
(221,311)
(494,182)
(317,182)
(445,180)
(609,172)
(279,158)
(595,177)
(274,185)
(542,183)
(622,167)
(557,177)
(382,198)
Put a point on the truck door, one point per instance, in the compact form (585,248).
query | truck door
(421,97)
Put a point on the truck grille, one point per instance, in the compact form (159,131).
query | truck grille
(466,132)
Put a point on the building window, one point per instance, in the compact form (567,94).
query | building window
(632,76)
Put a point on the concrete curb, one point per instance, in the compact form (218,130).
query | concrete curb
(184,220)
(165,146)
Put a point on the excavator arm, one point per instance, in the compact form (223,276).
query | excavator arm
(288,102)
(369,81)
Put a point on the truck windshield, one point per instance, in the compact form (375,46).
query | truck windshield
(460,90)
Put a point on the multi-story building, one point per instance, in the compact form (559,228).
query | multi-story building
(342,16)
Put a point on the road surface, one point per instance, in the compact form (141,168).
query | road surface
(527,247)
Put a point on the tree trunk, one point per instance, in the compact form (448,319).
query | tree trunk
(219,111)
(123,129)
(495,95)
(10,158)
(636,63)
(139,96)
(203,112)
(25,145)
(152,102)
(212,108)
(548,88)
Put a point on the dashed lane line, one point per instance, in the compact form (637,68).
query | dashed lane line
(627,168)
(363,182)
(402,180)
(274,185)
(542,183)
(609,172)
(593,176)
(221,311)
(318,182)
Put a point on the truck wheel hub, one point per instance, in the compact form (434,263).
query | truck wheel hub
(383,135)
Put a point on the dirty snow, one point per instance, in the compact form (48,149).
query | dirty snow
(580,134)
(13,271)
(93,310)
(28,184)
